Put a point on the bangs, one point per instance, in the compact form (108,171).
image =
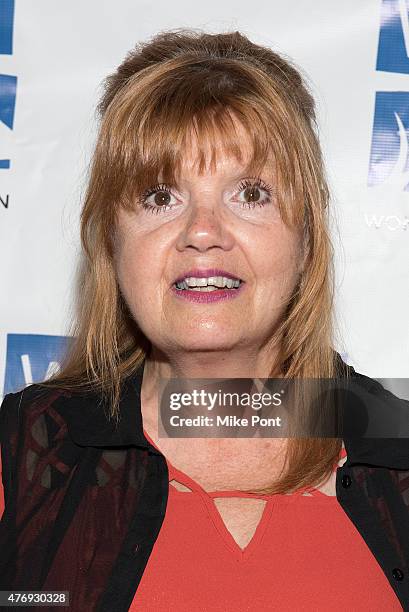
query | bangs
(152,130)
(163,146)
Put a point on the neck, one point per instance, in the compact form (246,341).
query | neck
(214,364)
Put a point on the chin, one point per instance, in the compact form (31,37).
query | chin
(199,344)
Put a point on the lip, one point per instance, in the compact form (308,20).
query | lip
(208,297)
(204,273)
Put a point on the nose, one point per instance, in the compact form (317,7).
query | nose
(204,229)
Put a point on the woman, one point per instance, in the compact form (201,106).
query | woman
(207,255)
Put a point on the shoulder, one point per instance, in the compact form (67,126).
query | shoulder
(30,411)
(50,414)
(35,446)
(361,383)
(28,397)
(376,424)
(377,390)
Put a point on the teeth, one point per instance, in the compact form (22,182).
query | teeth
(212,283)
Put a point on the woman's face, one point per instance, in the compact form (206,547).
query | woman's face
(213,221)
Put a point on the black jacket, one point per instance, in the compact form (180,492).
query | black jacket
(84,501)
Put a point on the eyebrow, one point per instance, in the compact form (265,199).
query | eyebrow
(230,177)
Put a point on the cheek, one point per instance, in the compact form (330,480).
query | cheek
(131,269)
(136,287)
(132,274)
(277,258)
(139,270)
(131,251)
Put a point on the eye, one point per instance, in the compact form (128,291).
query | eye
(157,199)
(255,192)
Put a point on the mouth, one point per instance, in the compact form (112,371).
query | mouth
(207,281)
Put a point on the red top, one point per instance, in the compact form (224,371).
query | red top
(305,554)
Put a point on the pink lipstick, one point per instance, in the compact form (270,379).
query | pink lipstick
(224,285)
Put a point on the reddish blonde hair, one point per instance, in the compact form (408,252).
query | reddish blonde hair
(178,81)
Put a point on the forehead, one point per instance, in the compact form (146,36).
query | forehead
(216,157)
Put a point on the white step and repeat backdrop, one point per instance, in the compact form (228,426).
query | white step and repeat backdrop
(53,57)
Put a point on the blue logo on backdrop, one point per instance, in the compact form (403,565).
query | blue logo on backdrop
(389,151)
(8,83)
(32,358)
(393,48)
